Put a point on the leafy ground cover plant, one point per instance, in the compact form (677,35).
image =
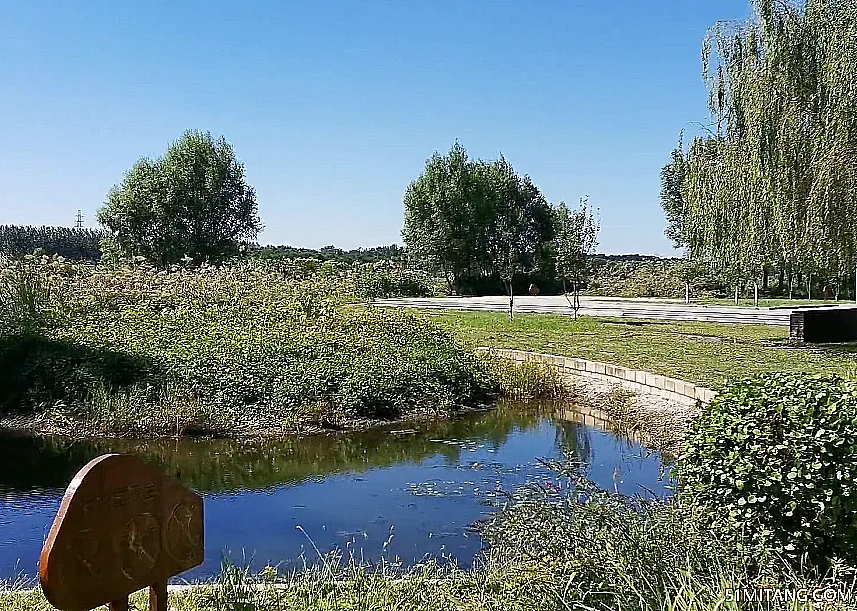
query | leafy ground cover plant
(778,454)
(227,350)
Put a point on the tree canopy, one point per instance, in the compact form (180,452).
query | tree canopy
(777,181)
(468,218)
(193,202)
(576,236)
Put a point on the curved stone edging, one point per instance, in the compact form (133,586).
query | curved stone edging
(673,389)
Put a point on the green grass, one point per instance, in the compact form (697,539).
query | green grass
(703,353)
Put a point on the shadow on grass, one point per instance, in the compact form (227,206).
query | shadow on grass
(36,369)
(635,323)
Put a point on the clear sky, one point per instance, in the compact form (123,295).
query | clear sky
(334,107)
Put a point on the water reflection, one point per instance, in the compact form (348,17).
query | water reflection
(426,482)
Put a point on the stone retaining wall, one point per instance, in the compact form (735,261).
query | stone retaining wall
(675,390)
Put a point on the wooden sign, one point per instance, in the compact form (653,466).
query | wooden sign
(122,526)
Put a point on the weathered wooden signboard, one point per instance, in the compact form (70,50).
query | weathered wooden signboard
(122,526)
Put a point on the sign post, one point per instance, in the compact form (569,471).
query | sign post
(122,526)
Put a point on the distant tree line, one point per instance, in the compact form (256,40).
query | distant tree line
(73,244)
(392,252)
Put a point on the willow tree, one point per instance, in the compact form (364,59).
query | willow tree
(777,182)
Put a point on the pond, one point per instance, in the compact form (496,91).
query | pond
(398,492)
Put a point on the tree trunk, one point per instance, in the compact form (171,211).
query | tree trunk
(765,278)
(756,293)
(736,293)
(511,302)
(782,277)
(576,305)
(809,287)
(791,284)
(565,292)
(687,293)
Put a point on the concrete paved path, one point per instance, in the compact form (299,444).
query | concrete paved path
(662,309)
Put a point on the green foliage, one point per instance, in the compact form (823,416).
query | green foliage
(384,279)
(575,239)
(778,454)
(529,380)
(673,175)
(26,292)
(243,348)
(614,552)
(191,202)
(393,252)
(72,244)
(660,278)
(775,183)
(469,218)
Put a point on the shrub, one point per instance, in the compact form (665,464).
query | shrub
(246,347)
(778,454)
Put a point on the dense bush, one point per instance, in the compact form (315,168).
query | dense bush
(778,454)
(241,347)
(658,278)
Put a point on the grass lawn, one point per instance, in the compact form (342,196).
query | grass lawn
(703,353)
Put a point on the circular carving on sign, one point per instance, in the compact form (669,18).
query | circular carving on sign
(184,534)
(140,546)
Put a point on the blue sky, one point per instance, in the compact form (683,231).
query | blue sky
(334,106)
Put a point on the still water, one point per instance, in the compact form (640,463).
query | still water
(400,492)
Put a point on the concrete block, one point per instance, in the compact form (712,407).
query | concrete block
(655,381)
(600,368)
(669,384)
(699,393)
(686,388)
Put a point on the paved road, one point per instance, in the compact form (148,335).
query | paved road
(613,307)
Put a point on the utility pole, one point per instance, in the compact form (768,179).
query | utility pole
(79,223)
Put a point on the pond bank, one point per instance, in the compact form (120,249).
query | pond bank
(653,409)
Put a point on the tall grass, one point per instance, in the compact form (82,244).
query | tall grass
(614,552)
(25,293)
(528,380)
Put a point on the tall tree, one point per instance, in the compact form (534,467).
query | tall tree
(517,222)
(576,236)
(778,184)
(193,202)
(672,201)
(443,216)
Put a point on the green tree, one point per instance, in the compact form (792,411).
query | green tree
(672,200)
(443,216)
(576,236)
(777,184)
(516,222)
(193,201)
